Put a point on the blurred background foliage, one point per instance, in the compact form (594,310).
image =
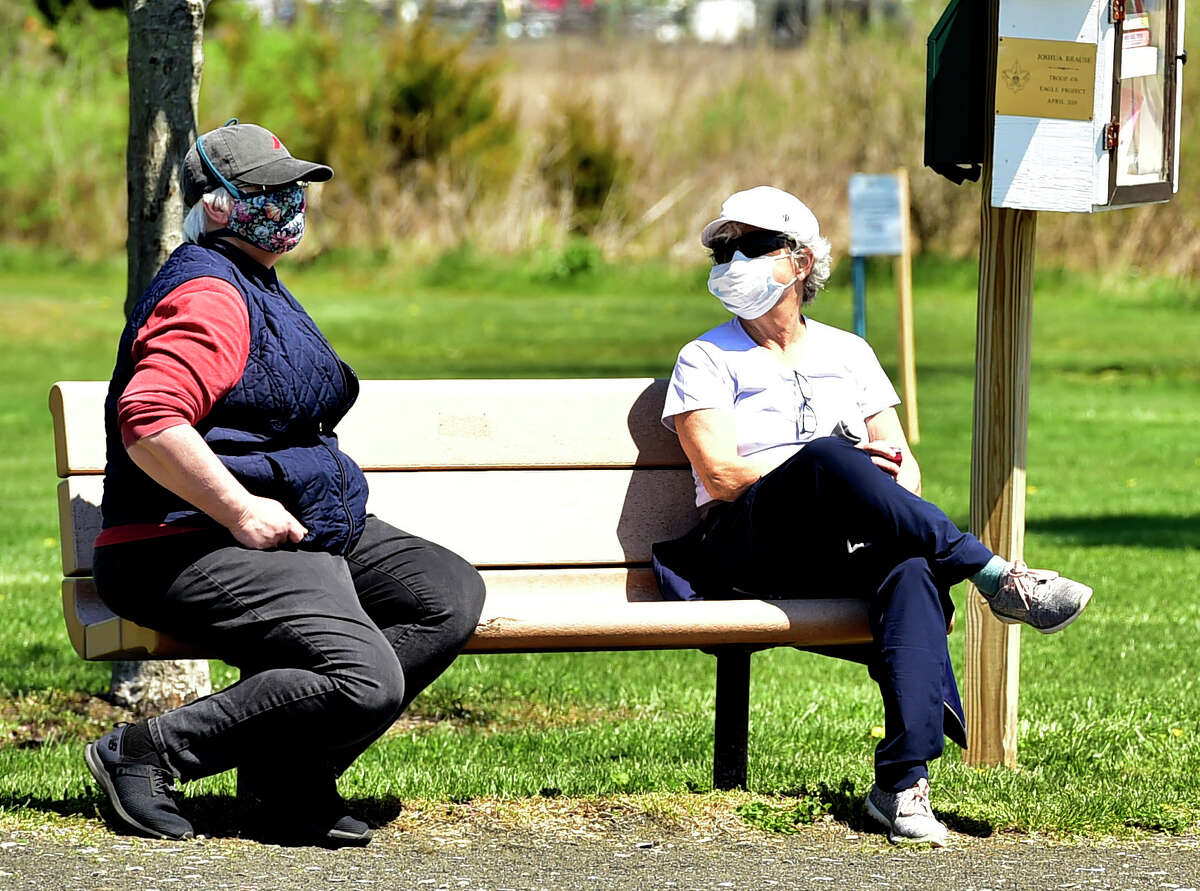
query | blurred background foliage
(442,140)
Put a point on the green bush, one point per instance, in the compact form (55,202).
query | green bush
(399,111)
(586,165)
(577,259)
(310,83)
(439,106)
(351,89)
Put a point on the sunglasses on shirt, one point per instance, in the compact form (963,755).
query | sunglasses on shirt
(752,244)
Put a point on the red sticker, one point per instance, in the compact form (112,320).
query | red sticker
(1137,38)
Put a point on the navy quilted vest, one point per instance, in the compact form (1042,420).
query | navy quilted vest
(273,430)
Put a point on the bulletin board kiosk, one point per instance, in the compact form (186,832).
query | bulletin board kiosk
(1086,99)
(1054,105)
(1087,104)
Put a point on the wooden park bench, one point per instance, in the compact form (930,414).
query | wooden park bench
(555,489)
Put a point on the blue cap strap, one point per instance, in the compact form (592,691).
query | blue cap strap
(208,165)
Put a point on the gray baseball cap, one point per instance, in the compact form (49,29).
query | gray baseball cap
(239,155)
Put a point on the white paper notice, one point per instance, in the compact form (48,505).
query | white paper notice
(875,223)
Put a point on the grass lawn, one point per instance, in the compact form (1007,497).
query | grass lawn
(1110,709)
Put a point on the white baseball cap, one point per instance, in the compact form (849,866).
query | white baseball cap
(765,207)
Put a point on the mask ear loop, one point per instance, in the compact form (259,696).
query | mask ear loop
(797,251)
(212,170)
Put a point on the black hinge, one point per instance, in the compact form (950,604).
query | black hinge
(1117,11)
(1112,132)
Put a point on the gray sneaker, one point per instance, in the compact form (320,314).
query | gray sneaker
(1041,598)
(907,815)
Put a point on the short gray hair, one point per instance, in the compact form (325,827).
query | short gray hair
(821,252)
(195,223)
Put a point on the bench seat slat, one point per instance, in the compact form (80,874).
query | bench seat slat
(667,625)
(543,611)
(418,424)
(493,517)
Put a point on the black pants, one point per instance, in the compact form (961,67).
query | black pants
(829,523)
(331,649)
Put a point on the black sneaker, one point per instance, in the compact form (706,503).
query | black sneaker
(308,813)
(344,831)
(143,795)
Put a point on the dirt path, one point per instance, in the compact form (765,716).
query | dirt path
(636,857)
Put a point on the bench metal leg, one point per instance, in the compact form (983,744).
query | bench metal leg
(731,731)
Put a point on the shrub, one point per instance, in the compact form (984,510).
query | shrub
(578,259)
(439,106)
(399,111)
(586,165)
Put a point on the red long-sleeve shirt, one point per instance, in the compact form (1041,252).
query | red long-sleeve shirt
(190,352)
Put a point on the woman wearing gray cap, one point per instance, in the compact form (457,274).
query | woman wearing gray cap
(807,486)
(233,521)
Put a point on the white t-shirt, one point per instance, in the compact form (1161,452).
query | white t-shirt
(776,408)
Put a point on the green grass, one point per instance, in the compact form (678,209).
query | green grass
(1109,710)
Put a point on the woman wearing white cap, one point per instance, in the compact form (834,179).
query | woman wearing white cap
(807,486)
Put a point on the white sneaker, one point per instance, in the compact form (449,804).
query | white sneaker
(907,815)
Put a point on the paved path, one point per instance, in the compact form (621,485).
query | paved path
(646,859)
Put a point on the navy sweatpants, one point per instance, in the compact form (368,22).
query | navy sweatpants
(828,522)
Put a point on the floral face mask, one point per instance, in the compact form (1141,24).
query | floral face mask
(273,221)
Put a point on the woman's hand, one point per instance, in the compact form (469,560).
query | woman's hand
(883,429)
(178,459)
(886,455)
(264,523)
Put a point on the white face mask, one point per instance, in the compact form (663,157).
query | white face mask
(746,287)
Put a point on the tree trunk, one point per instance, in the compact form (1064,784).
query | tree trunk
(153,687)
(165,59)
(166,55)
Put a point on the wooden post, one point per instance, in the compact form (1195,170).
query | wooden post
(1002,365)
(904,329)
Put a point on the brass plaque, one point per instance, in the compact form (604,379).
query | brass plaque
(1045,78)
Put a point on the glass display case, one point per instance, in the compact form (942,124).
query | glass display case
(1086,103)
(1141,137)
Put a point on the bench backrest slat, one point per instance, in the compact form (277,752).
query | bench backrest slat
(493,518)
(425,424)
